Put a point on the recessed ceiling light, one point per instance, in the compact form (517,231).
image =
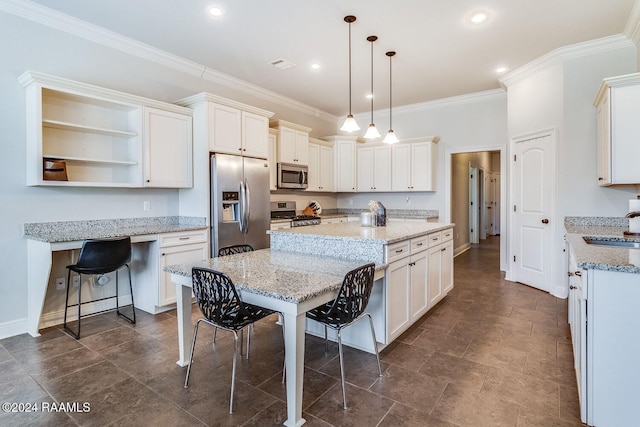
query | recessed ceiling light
(315,66)
(215,11)
(501,70)
(479,17)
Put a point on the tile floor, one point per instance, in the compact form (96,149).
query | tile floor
(493,353)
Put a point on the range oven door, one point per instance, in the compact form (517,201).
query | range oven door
(292,176)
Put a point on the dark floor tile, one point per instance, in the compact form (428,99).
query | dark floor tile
(360,368)
(63,364)
(401,415)
(276,414)
(471,409)
(411,357)
(364,408)
(79,384)
(413,389)
(34,349)
(461,372)
(569,404)
(528,420)
(315,384)
(433,340)
(155,365)
(133,350)
(492,354)
(110,338)
(11,371)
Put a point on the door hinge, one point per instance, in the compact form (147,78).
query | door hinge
(471,203)
(514,208)
(514,258)
(514,157)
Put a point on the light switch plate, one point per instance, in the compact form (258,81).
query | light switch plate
(60,283)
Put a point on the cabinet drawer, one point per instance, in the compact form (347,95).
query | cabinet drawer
(183,238)
(434,239)
(447,235)
(398,250)
(418,244)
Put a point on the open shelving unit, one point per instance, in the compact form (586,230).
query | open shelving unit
(101,137)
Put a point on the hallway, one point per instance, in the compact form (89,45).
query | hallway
(493,353)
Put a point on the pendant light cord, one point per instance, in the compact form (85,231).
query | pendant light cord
(372,79)
(349,68)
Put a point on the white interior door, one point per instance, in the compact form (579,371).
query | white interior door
(482,223)
(533,210)
(488,200)
(496,204)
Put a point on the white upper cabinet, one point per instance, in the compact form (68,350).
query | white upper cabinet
(293,142)
(344,155)
(273,166)
(414,165)
(320,167)
(618,127)
(374,168)
(168,149)
(231,127)
(104,138)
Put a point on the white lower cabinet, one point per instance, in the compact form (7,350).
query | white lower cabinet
(417,278)
(153,289)
(604,323)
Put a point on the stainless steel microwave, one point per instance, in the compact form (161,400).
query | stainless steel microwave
(292,176)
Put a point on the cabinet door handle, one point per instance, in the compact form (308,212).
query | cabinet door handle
(443,249)
(419,244)
(399,251)
(573,287)
(545,221)
(184,238)
(569,273)
(578,273)
(600,179)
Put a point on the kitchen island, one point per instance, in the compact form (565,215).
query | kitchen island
(604,290)
(419,256)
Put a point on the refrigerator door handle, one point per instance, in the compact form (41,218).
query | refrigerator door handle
(247,206)
(242,207)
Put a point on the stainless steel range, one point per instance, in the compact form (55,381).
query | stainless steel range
(287,210)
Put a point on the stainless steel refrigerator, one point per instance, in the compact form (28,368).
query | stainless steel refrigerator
(239,202)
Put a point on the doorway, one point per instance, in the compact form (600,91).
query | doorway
(474,197)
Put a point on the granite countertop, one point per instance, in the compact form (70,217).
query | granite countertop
(601,257)
(391,233)
(288,276)
(69,231)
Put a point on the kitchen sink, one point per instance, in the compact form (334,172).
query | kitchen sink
(627,244)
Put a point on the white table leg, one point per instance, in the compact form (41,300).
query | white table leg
(294,328)
(183,305)
(39,261)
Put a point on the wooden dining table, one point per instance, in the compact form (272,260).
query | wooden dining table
(291,283)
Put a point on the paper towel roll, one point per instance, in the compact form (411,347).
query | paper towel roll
(634,223)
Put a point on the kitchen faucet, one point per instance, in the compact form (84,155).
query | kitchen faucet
(632,214)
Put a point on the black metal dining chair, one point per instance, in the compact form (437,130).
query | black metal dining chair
(222,308)
(234,249)
(348,307)
(100,256)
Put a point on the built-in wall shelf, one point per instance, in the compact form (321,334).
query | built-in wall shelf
(105,138)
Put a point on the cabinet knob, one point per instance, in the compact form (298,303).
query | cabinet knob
(545,221)
(600,179)
(148,180)
(443,249)
(240,149)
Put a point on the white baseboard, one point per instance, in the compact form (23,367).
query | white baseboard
(13,328)
(54,318)
(462,249)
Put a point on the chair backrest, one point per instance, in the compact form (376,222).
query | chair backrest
(354,293)
(234,249)
(216,294)
(104,255)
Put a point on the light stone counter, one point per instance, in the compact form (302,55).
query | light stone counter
(600,257)
(349,240)
(288,276)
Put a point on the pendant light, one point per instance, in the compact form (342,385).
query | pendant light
(372,131)
(350,124)
(391,137)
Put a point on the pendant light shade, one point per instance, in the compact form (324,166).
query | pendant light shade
(391,137)
(350,124)
(372,131)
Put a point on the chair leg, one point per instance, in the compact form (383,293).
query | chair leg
(233,370)
(215,330)
(248,339)
(284,363)
(375,343)
(344,389)
(118,298)
(326,340)
(66,307)
(193,346)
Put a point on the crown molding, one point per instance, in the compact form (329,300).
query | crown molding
(277,123)
(557,56)
(59,21)
(444,102)
(193,100)
(632,29)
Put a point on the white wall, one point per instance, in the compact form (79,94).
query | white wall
(29,46)
(561,98)
(461,123)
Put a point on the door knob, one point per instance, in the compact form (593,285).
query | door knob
(545,221)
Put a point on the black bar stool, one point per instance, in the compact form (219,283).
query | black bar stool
(100,256)
(234,249)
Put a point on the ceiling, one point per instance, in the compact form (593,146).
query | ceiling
(439,54)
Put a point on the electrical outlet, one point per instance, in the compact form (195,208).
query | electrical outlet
(60,283)
(146,205)
(75,281)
